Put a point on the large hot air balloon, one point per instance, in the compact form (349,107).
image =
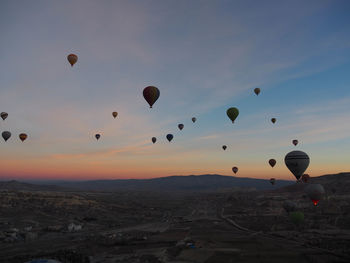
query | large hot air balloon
(23,136)
(6,135)
(315,192)
(273,120)
(289,206)
(4,115)
(194,119)
(305,178)
(181,126)
(114,114)
(154,139)
(297,217)
(235,169)
(169,137)
(232,113)
(295,142)
(257,91)
(273,181)
(297,162)
(151,94)
(224,147)
(97,136)
(72,59)
(272,162)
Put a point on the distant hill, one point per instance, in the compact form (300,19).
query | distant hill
(20,186)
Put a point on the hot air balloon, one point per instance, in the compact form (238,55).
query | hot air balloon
(315,192)
(97,136)
(114,114)
(235,169)
(194,119)
(297,162)
(272,181)
(151,94)
(272,162)
(4,115)
(257,91)
(289,206)
(297,217)
(154,139)
(72,59)
(224,147)
(295,142)
(169,137)
(232,113)
(6,135)
(305,178)
(181,126)
(273,120)
(23,136)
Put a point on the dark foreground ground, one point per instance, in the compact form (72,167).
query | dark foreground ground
(153,227)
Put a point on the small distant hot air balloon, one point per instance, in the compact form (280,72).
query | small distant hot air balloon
(97,136)
(273,120)
(4,115)
(315,192)
(272,162)
(151,94)
(257,91)
(224,147)
(23,136)
(154,139)
(181,126)
(297,162)
(232,113)
(6,135)
(114,114)
(235,169)
(194,119)
(72,59)
(305,178)
(297,217)
(169,137)
(295,142)
(272,181)
(289,206)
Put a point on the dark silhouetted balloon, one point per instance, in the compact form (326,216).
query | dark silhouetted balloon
(114,114)
(181,126)
(272,181)
(235,169)
(194,119)
(169,137)
(297,162)
(273,120)
(23,136)
(272,162)
(154,139)
(151,94)
(295,142)
(289,206)
(224,147)
(315,192)
(297,217)
(97,136)
(6,135)
(257,91)
(4,115)
(305,178)
(72,59)
(232,113)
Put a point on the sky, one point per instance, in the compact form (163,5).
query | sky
(204,57)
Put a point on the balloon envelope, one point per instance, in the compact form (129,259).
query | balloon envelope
(224,147)
(257,91)
(154,139)
(295,142)
(151,95)
(181,126)
(289,206)
(272,162)
(6,135)
(273,120)
(114,114)
(272,181)
(315,192)
(194,119)
(297,217)
(23,136)
(72,59)
(235,169)
(4,115)
(232,113)
(97,136)
(169,137)
(305,178)
(297,162)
